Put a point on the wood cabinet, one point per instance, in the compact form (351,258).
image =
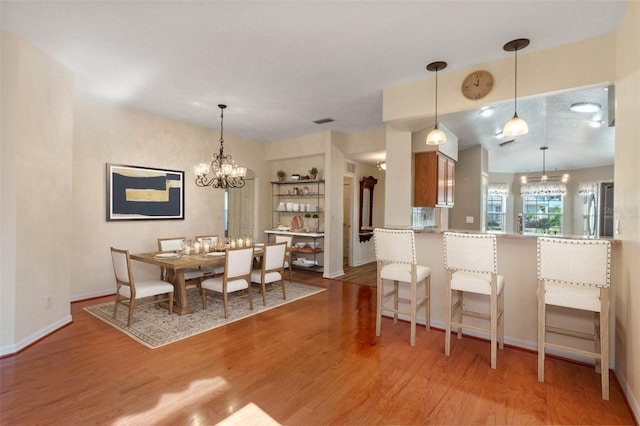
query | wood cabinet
(434,180)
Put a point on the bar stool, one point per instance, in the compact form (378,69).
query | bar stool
(396,259)
(575,274)
(471,265)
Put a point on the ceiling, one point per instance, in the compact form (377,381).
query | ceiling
(280,65)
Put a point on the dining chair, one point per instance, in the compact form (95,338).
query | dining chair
(471,266)
(287,259)
(575,274)
(238,264)
(396,261)
(177,244)
(210,269)
(272,270)
(129,292)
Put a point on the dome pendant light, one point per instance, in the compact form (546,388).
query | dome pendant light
(516,126)
(436,136)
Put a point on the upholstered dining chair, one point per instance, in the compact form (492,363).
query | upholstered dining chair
(210,269)
(575,274)
(238,264)
(272,270)
(396,261)
(471,266)
(177,244)
(288,259)
(129,292)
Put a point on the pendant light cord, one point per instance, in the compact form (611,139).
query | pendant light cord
(436,126)
(515,88)
(221,132)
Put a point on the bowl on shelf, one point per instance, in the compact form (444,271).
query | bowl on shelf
(300,245)
(314,244)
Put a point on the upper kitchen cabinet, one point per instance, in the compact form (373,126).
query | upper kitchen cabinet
(434,180)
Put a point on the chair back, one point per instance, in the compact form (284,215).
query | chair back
(238,262)
(583,262)
(274,256)
(122,267)
(285,238)
(470,252)
(395,246)
(170,244)
(213,238)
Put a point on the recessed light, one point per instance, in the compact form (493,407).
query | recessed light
(499,135)
(595,123)
(487,111)
(585,107)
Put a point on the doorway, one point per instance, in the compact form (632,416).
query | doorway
(347,187)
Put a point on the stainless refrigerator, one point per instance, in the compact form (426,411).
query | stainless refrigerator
(599,211)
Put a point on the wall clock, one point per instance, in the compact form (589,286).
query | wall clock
(477,85)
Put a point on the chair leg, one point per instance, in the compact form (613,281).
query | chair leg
(115,305)
(494,325)
(604,341)
(224,302)
(204,298)
(264,290)
(448,307)
(501,320)
(541,330)
(284,292)
(395,302)
(132,303)
(250,294)
(170,303)
(427,303)
(379,291)
(460,294)
(414,300)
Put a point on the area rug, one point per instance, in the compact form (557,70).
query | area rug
(155,327)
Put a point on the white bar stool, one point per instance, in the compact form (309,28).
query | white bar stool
(471,265)
(575,274)
(396,259)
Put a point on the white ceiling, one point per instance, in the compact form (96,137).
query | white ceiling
(281,65)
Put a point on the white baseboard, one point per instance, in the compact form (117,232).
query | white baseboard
(633,403)
(523,344)
(334,275)
(364,262)
(86,296)
(18,346)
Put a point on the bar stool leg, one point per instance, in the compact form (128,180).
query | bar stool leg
(447,304)
(395,302)
(494,323)
(604,341)
(380,291)
(414,298)
(541,330)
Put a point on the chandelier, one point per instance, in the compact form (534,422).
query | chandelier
(544,185)
(221,171)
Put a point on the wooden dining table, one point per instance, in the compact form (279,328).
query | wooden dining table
(175,268)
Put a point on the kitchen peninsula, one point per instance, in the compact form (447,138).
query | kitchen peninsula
(517,262)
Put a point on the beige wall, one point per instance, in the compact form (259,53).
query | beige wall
(627,204)
(107,133)
(36,213)
(468,189)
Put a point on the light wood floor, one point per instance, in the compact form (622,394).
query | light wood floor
(311,362)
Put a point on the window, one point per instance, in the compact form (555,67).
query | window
(496,213)
(542,214)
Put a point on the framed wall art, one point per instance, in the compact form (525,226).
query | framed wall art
(144,193)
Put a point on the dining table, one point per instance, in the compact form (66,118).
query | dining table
(175,265)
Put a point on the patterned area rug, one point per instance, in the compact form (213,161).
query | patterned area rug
(155,327)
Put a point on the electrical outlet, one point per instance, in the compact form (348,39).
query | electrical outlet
(47,302)
(469,219)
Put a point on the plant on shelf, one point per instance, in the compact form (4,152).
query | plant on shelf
(316,228)
(281,174)
(313,173)
(307,216)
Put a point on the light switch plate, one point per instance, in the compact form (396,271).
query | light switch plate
(469,219)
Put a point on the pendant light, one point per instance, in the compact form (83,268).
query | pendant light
(436,136)
(516,126)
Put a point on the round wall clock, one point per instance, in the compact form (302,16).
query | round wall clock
(477,85)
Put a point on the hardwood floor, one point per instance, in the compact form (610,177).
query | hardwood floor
(311,362)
